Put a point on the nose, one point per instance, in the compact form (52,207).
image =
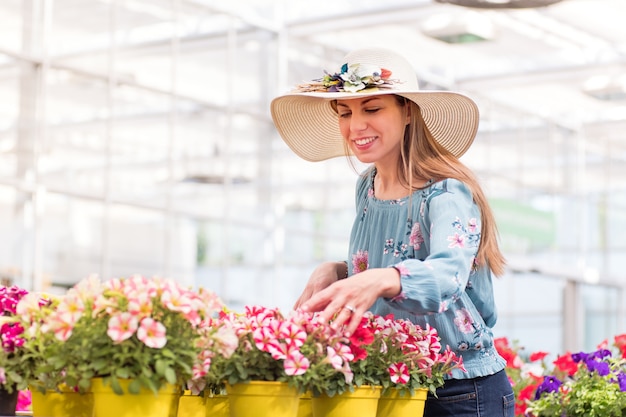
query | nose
(357,122)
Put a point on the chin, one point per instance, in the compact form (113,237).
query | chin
(366,159)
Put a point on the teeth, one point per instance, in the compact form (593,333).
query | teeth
(364,141)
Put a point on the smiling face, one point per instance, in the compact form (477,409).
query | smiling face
(373,127)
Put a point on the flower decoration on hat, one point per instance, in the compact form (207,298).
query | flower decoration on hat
(352,78)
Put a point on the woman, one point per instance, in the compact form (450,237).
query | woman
(424,242)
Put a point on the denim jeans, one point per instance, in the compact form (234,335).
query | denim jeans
(487,396)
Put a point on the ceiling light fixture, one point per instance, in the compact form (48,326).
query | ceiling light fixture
(213,179)
(500,4)
(606,88)
(468,27)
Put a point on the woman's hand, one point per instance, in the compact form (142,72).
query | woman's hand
(344,302)
(323,276)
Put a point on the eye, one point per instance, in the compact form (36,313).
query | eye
(343,115)
(372,109)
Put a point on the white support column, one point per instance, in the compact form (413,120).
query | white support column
(226,148)
(170,220)
(573,316)
(36,16)
(105,255)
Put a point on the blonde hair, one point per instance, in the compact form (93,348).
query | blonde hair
(422,156)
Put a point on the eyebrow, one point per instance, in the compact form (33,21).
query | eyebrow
(367,100)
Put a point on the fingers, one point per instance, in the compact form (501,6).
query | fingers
(342,304)
(327,302)
(355,321)
(341,315)
(321,278)
(302,299)
(349,318)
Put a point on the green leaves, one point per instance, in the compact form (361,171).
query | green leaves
(585,394)
(595,396)
(122,373)
(150,331)
(170,375)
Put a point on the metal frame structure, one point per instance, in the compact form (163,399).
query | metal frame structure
(135,137)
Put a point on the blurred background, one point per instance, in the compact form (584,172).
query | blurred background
(135,137)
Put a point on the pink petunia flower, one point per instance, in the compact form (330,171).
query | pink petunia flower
(296,363)
(122,326)
(28,305)
(24,401)
(278,350)
(71,308)
(292,334)
(334,359)
(140,305)
(196,386)
(399,373)
(139,284)
(62,329)
(347,373)
(152,333)
(227,341)
(87,287)
(176,300)
(115,284)
(345,352)
(263,337)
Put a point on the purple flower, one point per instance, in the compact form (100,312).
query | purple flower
(580,357)
(594,361)
(602,368)
(549,384)
(602,353)
(621,380)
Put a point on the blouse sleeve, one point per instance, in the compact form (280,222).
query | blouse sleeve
(449,221)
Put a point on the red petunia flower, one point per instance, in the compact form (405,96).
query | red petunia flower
(566,364)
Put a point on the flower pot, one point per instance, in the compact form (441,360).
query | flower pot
(304,406)
(8,401)
(109,404)
(262,399)
(392,404)
(61,403)
(363,402)
(190,405)
(217,406)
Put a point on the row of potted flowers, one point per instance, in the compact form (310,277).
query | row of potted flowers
(153,332)
(579,384)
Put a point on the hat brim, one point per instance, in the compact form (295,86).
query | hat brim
(309,125)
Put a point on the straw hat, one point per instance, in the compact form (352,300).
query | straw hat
(309,125)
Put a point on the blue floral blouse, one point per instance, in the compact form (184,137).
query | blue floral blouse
(431,238)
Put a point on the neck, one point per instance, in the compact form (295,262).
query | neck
(387,177)
(387,186)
